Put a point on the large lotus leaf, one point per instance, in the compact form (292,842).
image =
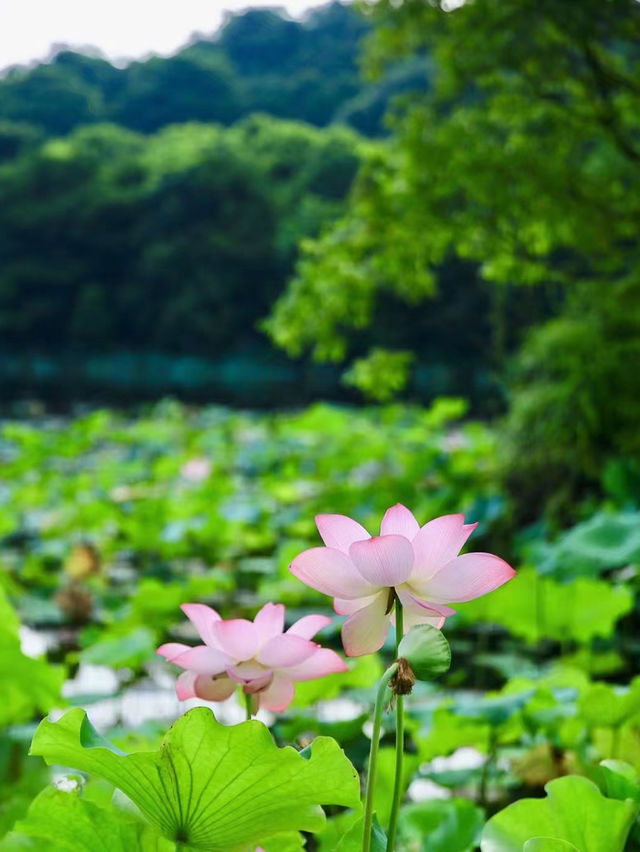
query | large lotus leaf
(28,685)
(606,540)
(609,540)
(441,825)
(619,780)
(603,706)
(385,779)
(536,607)
(65,822)
(494,709)
(352,839)
(574,811)
(335,829)
(130,650)
(548,844)
(210,786)
(448,732)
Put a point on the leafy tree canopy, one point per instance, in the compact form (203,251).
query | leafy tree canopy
(178,241)
(522,160)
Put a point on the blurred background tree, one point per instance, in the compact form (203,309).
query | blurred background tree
(179,241)
(522,160)
(157,208)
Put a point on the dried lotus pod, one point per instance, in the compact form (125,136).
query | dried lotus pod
(76,603)
(83,561)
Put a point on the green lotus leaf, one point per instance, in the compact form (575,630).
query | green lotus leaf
(604,706)
(449,731)
(65,822)
(28,685)
(351,841)
(133,649)
(619,780)
(580,610)
(385,778)
(574,811)
(209,786)
(427,651)
(608,540)
(441,825)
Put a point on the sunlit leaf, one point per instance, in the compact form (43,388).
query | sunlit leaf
(28,685)
(441,825)
(210,786)
(604,706)
(619,780)
(291,842)
(535,607)
(65,822)
(574,811)
(352,839)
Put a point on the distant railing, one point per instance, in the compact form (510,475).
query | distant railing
(260,380)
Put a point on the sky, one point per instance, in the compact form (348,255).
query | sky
(121,29)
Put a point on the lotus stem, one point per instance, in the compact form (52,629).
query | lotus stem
(373,755)
(399,778)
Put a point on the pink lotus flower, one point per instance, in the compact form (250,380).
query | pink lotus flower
(196,470)
(256,655)
(419,566)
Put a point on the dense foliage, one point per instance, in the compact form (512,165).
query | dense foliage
(111,239)
(523,160)
(108,523)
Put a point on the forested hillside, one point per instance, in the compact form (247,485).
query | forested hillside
(260,61)
(179,241)
(157,209)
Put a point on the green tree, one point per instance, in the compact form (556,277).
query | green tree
(186,87)
(16,138)
(178,241)
(53,98)
(523,159)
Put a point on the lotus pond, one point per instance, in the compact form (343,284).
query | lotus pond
(110,521)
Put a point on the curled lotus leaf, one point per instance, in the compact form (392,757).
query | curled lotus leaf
(574,811)
(211,786)
(427,651)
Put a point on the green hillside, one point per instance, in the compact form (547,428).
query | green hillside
(156,211)
(260,61)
